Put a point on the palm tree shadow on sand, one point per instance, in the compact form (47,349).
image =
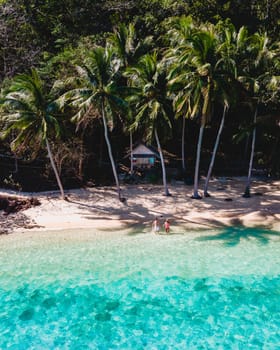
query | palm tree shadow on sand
(231,236)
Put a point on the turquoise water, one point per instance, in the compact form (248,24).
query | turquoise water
(193,290)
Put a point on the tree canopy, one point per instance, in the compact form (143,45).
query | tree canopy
(213,58)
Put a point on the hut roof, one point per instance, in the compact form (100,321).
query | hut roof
(143,150)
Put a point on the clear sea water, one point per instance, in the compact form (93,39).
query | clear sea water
(90,290)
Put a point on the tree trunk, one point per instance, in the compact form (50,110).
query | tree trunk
(183,145)
(82,157)
(15,156)
(195,188)
(101,148)
(110,152)
(247,189)
(166,192)
(81,163)
(55,170)
(206,194)
(131,156)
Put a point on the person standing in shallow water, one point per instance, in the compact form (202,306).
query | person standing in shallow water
(167,226)
(155,225)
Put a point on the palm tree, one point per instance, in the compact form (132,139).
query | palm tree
(230,46)
(99,91)
(248,183)
(180,34)
(256,78)
(182,88)
(197,64)
(206,194)
(150,100)
(31,113)
(128,48)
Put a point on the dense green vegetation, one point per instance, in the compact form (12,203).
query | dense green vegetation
(198,79)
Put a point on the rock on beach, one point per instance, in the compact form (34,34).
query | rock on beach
(11,215)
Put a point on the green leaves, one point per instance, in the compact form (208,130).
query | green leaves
(150,99)
(29,111)
(98,86)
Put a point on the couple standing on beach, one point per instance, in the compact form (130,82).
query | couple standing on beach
(156,225)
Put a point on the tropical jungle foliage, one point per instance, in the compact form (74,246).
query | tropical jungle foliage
(80,80)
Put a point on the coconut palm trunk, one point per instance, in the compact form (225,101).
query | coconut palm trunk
(131,155)
(16,165)
(183,145)
(110,151)
(55,169)
(206,194)
(166,192)
(248,185)
(196,173)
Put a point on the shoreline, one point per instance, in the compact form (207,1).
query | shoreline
(99,207)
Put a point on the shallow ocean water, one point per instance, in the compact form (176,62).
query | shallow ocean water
(93,290)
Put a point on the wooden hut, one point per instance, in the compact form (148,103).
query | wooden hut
(143,156)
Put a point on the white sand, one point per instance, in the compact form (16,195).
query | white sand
(100,208)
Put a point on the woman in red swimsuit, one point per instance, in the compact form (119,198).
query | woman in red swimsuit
(167,226)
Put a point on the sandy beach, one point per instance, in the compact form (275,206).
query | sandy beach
(99,207)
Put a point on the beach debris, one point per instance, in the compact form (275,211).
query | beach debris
(12,204)
(8,223)
(11,215)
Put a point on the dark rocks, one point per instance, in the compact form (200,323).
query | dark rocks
(11,204)
(11,215)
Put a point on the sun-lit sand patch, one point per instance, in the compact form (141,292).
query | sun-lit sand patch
(100,208)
